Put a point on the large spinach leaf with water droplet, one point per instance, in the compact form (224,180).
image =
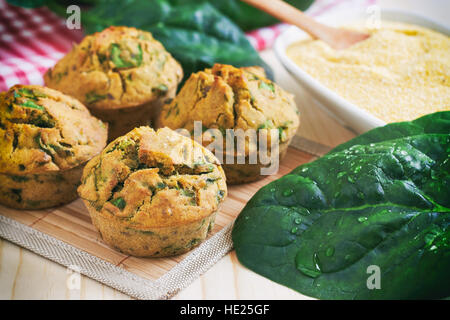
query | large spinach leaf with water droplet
(382,201)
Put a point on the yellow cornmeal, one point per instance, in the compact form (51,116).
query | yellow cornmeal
(400,73)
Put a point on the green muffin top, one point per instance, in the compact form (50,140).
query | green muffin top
(43,130)
(116,68)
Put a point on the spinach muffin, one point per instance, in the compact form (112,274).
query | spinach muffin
(45,139)
(226,98)
(153,194)
(123,75)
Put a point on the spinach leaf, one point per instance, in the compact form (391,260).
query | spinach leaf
(92,97)
(27,3)
(194,32)
(438,122)
(120,62)
(244,15)
(383,201)
(267,86)
(119,203)
(250,18)
(33,105)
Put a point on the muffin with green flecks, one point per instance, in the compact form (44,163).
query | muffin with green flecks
(235,101)
(46,137)
(153,193)
(123,75)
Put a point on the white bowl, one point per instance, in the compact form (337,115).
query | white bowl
(355,117)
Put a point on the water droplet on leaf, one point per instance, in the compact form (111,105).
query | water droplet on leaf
(362,219)
(303,211)
(309,268)
(329,252)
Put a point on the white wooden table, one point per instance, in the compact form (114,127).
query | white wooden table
(25,275)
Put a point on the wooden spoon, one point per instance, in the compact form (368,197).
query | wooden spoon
(336,38)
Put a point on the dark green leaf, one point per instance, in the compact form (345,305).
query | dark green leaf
(242,14)
(19,178)
(437,122)
(246,16)
(31,104)
(382,201)
(268,124)
(267,86)
(27,3)
(43,146)
(92,97)
(220,195)
(26,93)
(160,89)
(119,203)
(249,18)
(120,62)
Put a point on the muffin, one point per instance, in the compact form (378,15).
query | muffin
(121,74)
(46,138)
(226,98)
(153,194)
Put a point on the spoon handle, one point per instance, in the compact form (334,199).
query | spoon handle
(283,11)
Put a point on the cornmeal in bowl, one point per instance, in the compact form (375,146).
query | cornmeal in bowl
(400,73)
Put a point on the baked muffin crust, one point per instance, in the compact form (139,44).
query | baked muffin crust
(45,134)
(118,67)
(153,193)
(122,74)
(226,97)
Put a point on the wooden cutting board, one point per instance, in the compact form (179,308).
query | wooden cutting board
(71,223)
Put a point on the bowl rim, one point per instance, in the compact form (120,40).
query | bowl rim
(355,117)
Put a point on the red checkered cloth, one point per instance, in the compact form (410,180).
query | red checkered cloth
(32,40)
